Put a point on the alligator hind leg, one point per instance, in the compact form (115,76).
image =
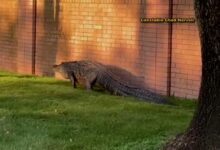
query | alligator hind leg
(88,86)
(90,81)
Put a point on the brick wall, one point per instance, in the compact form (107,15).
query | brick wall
(186,62)
(108,31)
(8,34)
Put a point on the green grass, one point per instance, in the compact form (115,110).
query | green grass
(47,114)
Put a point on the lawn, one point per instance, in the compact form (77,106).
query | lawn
(39,113)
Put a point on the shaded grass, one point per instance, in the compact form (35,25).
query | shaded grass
(47,114)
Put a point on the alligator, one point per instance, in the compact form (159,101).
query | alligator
(116,80)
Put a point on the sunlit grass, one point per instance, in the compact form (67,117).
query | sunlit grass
(47,114)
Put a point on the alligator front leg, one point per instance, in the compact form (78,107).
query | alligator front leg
(73,81)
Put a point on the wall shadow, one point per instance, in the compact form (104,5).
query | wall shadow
(47,36)
(153,41)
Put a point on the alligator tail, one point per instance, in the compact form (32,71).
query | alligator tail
(147,95)
(118,88)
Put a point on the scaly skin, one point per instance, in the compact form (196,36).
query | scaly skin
(114,79)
